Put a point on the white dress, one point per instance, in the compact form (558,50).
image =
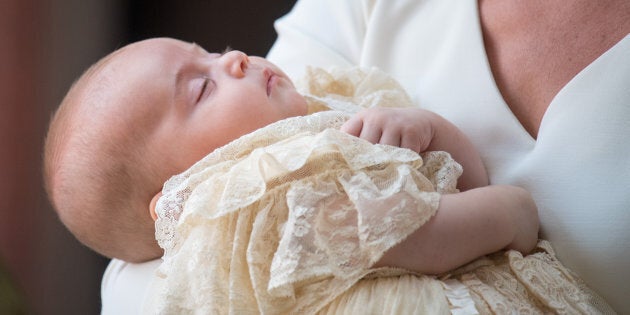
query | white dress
(578,169)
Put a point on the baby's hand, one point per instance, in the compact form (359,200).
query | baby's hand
(409,128)
(420,130)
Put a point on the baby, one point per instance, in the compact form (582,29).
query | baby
(154,108)
(150,110)
(141,115)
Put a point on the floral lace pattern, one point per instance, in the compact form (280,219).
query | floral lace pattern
(289,219)
(502,283)
(290,225)
(510,283)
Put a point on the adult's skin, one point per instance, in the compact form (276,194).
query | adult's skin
(536,47)
(540,87)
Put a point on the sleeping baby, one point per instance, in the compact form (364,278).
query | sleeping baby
(263,199)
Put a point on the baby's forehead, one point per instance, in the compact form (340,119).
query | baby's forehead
(144,60)
(132,83)
(156,49)
(135,61)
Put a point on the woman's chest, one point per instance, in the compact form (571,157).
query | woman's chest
(534,50)
(440,58)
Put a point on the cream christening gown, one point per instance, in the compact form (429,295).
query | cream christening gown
(289,219)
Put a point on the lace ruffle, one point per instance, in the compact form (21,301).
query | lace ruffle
(290,225)
(288,219)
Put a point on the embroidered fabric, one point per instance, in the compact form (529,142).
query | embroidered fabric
(289,219)
(502,283)
(290,225)
(510,283)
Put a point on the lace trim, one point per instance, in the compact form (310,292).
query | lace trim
(534,284)
(288,219)
(294,223)
(178,188)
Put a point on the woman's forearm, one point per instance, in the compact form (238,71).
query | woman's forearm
(466,226)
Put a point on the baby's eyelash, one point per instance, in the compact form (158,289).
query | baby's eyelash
(226,50)
(203,88)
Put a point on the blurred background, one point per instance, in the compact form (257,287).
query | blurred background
(44,46)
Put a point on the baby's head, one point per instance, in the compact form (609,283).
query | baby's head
(140,115)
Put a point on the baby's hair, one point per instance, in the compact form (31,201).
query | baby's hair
(93,179)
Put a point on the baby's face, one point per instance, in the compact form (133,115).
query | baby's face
(192,102)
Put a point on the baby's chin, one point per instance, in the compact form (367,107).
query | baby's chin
(294,105)
(302,106)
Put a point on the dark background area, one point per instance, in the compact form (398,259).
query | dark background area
(44,46)
(241,24)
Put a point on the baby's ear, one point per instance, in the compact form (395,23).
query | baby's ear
(153,204)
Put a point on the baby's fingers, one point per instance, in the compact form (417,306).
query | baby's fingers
(371,133)
(411,144)
(357,127)
(390,137)
(353,126)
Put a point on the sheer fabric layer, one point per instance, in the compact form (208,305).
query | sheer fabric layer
(290,225)
(289,219)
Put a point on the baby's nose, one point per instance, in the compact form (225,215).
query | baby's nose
(235,63)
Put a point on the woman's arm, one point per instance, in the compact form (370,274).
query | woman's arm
(466,226)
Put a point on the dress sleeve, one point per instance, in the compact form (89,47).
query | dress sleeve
(320,33)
